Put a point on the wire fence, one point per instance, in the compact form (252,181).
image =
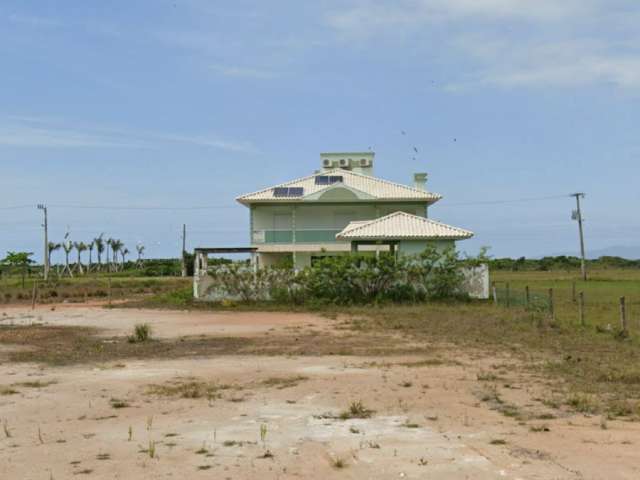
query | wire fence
(573,307)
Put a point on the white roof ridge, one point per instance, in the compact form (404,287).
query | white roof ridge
(395,184)
(339,171)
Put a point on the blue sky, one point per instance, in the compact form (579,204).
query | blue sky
(190,103)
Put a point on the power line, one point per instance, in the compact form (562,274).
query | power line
(128,207)
(502,202)
(16,207)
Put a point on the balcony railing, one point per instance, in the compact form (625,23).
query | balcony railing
(302,236)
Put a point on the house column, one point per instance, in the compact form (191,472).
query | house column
(293,235)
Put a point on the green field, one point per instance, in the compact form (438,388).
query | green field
(80,289)
(602,294)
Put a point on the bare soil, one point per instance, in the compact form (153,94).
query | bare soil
(268,395)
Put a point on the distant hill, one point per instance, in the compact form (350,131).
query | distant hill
(628,252)
(631,253)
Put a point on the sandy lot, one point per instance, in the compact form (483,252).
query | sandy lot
(278,416)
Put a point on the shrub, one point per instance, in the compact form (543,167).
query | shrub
(141,333)
(349,279)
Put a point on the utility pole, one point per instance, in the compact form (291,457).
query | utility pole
(46,242)
(577,215)
(184,249)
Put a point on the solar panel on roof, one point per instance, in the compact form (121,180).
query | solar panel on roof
(328,179)
(281,192)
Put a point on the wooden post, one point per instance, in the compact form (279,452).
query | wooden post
(494,293)
(526,297)
(623,316)
(581,308)
(552,315)
(507,299)
(109,288)
(573,291)
(33,295)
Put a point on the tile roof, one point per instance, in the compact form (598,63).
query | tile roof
(375,187)
(404,226)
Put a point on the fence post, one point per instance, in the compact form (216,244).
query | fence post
(551,309)
(508,296)
(33,294)
(494,293)
(581,308)
(623,316)
(109,279)
(573,291)
(526,297)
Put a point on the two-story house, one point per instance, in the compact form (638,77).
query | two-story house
(341,208)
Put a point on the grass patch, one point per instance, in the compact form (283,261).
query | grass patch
(284,382)
(498,441)
(65,345)
(188,389)
(36,383)
(4,390)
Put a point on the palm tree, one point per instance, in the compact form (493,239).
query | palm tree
(140,250)
(80,247)
(67,246)
(90,246)
(52,247)
(116,246)
(124,252)
(109,242)
(99,243)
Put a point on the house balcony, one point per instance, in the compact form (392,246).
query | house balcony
(304,235)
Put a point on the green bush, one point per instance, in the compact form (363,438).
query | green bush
(141,333)
(349,279)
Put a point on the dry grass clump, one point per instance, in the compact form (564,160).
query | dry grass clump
(356,409)
(284,382)
(188,389)
(4,390)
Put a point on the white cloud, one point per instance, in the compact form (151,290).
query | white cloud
(34,132)
(510,43)
(369,16)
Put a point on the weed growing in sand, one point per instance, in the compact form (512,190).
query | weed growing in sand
(487,377)
(35,384)
(203,449)
(149,422)
(189,389)
(356,410)
(117,403)
(40,435)
(130,434)
(339,463)
(152,449)
(5,427)
(498,441)
(7,391)
(263,434)
(284,382)
(141,333)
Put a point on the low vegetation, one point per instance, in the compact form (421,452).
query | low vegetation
(345,280)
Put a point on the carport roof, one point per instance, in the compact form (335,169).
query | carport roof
(402,226)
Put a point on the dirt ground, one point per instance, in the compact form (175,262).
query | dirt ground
(443,414)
